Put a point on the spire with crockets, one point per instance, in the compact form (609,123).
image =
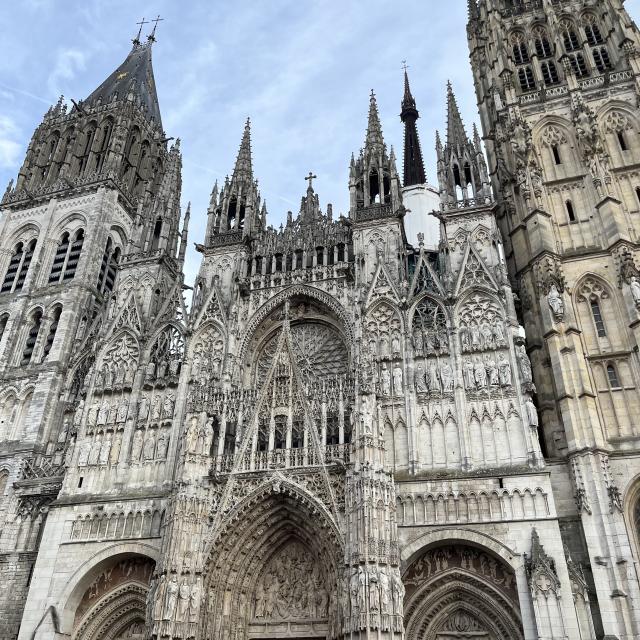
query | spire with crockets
(413,163)
(462,170)
(234,214)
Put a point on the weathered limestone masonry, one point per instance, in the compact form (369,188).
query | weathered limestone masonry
(340,437)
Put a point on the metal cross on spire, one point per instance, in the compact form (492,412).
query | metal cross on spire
(311,178)
(152,36)
(142,22)
(405,66)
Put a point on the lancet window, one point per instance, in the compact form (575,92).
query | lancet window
(18,266)
(65,261)
(32,336)
(108,267)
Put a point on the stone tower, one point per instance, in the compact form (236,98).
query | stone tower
(557,86)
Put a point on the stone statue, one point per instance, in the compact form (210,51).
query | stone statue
(532,412)
(83,456)
(143,408)
(469,375)
(492,372)
(156,408)
(77,414)
(556,304)
(160,596)
(525,365)
(171,600)
(105,450)
(464,339)
(434,377)
(480,374)
(149,445)
(162,446)
(395,344)
(194,602)
(92,415)
(136,445)
(498,333)
(103,413)
(474,330)
(385,380)
(114,456)
(397,379)
(94,452)
(122,411)
(421,382)
(418,342)
(504,372)
(634,285)
(446,375)
(184,599)
(167,407)
(150,371)
(487,336)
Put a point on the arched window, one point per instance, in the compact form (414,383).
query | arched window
(597,318)
(65,262)
(18,266)
(555,150)
(541,44)
(612,375)
(108,267)
(157,230)
(549,72)
(569,37)
(622,141)
(592,30)
(519,48)
(53,327)
(85,149)
(105,139)
(602,59)
(232,211)
(374,187)
(578,64)
(8,409)
(570,211)
(32,336)
(50,152)
(526,78)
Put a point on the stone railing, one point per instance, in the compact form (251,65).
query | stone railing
(466,507)
(466,203)
(373,212)
(283,459)
(222,239)
(42,467)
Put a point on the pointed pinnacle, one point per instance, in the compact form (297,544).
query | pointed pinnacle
(374,137)
(243,165)
(408,101)
(456,134)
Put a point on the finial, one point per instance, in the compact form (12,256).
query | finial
(136,40)
(310,178)
(152,36)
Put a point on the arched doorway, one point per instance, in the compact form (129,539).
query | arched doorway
(460,592)
(113,607)
(274,573)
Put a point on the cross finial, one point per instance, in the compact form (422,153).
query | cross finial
(152,36)
(142,22)
(311,178)
(405,66)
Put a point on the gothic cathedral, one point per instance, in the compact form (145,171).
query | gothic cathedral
(413,420)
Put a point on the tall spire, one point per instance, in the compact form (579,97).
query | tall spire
(456,134)
(374,138)
(132,79)
(243,168)
(413,163)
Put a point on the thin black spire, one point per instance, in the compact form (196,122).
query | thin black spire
(413,164)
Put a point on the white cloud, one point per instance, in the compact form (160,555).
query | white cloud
(67,64)
(10,148)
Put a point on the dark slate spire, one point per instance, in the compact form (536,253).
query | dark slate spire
(133,77)
(413,164)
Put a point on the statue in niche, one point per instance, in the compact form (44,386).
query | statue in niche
(421,382)
(192,435)
(122,411)
(556,303)
(525,365)
(131,373)
(469,375)
(113,413)
(385,592)
(474,330)
(160,596)
(103,413)
(83,456)
(362,589)
(418,342)
(171,600)
(498,333)
(398,593)
(149,448)
(92,415)
(184,595)
(136,445)
(374,592)
(162,446)
(395,344)
(150,371)
(105,450)
(354,590)
(492,372)
(194,602)
(446,375)
(174,367)
(532,413)
(634,285)
(384,345)
(465,339)
(443,338)
(260,601)
(114,456)
(397,379)
(156,408)
(480,375)
(167,407)
(143,408)
(68,454)
(504,372)
(434,378)
(385,380)
(120,373)
(94,452)
(162,369)
(100,379)
(106,375)
(77,414)
(487,336)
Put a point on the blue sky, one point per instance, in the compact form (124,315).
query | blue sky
(301,69)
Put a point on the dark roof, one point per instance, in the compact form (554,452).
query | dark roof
(135,75)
